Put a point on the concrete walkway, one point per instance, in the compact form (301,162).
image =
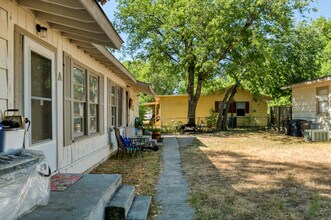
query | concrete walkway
(172,190)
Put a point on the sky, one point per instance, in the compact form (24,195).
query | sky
(323,9)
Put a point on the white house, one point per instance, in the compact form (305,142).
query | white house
(311,100)
(56,69)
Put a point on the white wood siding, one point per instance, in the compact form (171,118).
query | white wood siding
(84,153)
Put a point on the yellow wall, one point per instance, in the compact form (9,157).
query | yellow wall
(174,108)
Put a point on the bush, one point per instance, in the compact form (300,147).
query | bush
(172,127)
(251,122)
(211,120)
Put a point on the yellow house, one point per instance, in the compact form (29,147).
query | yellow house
(245,111)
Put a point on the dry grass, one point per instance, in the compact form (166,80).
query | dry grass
(257,175)
(143,173)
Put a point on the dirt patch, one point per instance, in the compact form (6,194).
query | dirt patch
(257,175)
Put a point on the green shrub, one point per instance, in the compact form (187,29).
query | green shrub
(211,120)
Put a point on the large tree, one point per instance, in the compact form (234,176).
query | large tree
(162,82)
(278,62)
(196,38)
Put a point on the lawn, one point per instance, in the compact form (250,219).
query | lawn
(257,175)
(143,173)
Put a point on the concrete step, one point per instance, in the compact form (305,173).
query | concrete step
(140,208)
(119,206)
(85,199)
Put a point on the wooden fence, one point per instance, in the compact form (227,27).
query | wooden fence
(278,117)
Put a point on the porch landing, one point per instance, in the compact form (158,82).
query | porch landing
(86,199)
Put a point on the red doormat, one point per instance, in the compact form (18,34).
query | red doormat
(62,181)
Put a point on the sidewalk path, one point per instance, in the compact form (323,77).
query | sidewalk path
(172,190)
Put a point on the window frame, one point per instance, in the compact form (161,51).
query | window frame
(74,101)
(87,131)
(318,102)
(96,103)
(113,105)
(243,109)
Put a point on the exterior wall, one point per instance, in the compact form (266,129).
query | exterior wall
(174,108)
(88,151)
(304,104)
(6,76)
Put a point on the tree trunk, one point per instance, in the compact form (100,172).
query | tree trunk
(225,113)
(227,100)
(193,97)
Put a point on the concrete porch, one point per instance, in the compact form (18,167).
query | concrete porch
(94,196)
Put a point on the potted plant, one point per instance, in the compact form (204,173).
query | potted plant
(156,133)
(138,124)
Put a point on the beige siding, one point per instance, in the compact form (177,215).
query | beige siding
(3,60)
(87,151)
(304,103)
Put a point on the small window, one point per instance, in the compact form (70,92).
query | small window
(323,100)
(115,105)
(241,108)
(112,105)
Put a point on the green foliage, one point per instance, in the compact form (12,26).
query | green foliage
(102,2)
(200,41)
(281,101)
(211,120)
(161,79)
(314,207)
(138,123)
(251,121)
(173,127)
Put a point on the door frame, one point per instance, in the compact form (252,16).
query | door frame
(39,46)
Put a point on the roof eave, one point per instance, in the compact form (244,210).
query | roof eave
(313,81)
(145,88)
(123,72)
(98,14)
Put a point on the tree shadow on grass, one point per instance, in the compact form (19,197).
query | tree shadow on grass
(232,185)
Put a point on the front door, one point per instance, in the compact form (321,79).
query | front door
(39,99)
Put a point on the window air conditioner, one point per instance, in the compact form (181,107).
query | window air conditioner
(316,135)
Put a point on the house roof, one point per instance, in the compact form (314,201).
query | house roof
(309,82)
(145,88)
(85,24)
(157,97)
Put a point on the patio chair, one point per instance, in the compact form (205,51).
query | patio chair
(124,144)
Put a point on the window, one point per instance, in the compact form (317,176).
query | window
(85,114)
(115,105)
(93,102)
(120,106)
(83,104)
(240,108)
(79,86)
(322,100)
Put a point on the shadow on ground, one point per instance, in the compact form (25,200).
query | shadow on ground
(231,185)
